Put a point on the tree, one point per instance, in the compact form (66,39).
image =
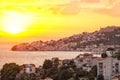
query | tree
(32,76)
(51,72)
(104,55)
(110,49)
(91,77)
(93,71)
(80,73)
(56,63)
(72,64)
(100,77)
(64,74)
(25,76)
(116,55)
(9,71)
(47,64)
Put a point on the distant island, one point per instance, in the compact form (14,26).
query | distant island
(96,41)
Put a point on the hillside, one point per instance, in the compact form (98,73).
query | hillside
(98,40)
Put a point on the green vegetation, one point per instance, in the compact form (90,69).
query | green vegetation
(50,69)
(9,71)
(116,55)
(47,64)
(66,72)
(110,49)
(93,71)
(104,55)
(25,76)
(100,77)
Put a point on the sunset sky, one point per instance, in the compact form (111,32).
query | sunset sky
(31,20)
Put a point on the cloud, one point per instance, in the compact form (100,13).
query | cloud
(72,8)
(90,1)
(111,2)
(113,11)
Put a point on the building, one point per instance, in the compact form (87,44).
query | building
(108,67)
(29,68)
(85,61)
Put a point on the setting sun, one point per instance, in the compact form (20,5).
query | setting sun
(14,22)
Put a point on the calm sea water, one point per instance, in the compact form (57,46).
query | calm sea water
(33,57)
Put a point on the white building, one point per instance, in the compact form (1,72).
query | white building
(29,68)
(108,67)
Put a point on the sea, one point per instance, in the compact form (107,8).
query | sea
(33,57)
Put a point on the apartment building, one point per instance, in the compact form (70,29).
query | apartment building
(108,67)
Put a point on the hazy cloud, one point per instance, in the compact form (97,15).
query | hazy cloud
(72,8)
(90,1)
(113,11)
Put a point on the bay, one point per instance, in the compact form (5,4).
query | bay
(33,57)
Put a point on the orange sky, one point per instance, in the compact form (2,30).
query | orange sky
(31,20)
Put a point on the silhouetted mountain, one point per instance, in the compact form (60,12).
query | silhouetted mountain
(104,38)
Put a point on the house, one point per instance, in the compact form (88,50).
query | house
(29,68)
(85,61)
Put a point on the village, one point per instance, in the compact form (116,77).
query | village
(83,67)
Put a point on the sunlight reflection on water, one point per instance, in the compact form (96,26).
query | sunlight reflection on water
(33,57)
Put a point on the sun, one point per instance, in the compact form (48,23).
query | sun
(14,22)
(12,25)
(13,30)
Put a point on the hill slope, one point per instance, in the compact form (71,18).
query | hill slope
(105,37)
